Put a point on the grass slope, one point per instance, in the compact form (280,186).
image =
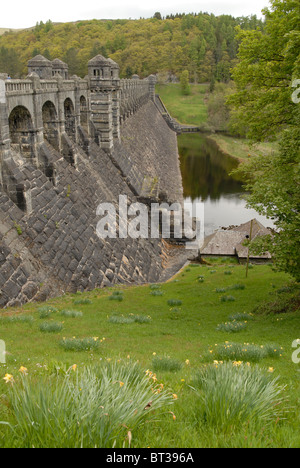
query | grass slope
(173,340)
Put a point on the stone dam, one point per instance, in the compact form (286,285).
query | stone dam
(66,145)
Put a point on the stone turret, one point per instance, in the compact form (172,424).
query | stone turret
(41,66)
(104,86)
(60,68)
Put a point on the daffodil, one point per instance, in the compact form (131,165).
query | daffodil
(23,370)
(8,378)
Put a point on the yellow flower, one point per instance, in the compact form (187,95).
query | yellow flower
(96,338)
(271,369)
(175,396)
(187,362)
(121,384)
(8,378)
(74,367)
(182,380)
(23,370)
(153,354)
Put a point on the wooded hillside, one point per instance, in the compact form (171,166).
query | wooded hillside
(204,44)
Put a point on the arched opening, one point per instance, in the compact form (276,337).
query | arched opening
(21,131)
(50,124)
(84,113)
(69,118)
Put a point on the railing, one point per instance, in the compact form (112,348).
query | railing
(18,86)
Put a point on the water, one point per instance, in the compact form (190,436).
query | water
(205,174)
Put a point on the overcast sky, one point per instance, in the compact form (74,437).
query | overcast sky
(26,13)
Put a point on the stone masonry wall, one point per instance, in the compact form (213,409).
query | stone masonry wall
(54,248)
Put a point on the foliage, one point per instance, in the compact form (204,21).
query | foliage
(100,406)
(233,393)
(203,44)
(185,83)
(264,109)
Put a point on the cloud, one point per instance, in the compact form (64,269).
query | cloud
(26,14)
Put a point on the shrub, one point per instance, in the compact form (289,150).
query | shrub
(174,302)
(98,407)
(80,344)
(227,299)
(116,296)
(51,327)
(46,311)
(18,319)
(71,313)
(156,293)
(121,319)
(232,327)
(82,302)
(166,364)
(234,393)
(239,352)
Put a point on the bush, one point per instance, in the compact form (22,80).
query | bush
(174,302)
(80,344)
(99,407)
(166,364)
(46,311)
(121,319)
(234,393)
(82,302)
(116,296)
(18,319)
(71,313)
(232,327)
(227,299)
(51,327)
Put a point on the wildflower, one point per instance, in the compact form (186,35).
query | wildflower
(121,384)
(187,362)
(23,370)
(74,367)
(175,396)
(153,354)
(182,380)
(271,369)
(8,378)
(96,338)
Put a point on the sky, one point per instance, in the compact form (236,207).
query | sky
(24,14)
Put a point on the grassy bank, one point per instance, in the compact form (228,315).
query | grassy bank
(241,148)
(183,326)
(192,110)
(186,109)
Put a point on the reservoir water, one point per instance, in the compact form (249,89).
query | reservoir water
(206,178)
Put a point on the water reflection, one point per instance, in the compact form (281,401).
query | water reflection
(205,174)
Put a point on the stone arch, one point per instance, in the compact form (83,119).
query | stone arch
(69,111)
(84,113)
(21,131)
(50,124)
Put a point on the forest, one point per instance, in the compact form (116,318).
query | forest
(204,44)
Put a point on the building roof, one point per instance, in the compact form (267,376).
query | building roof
(98,61)
(57,63)
(39,60)
(230,241)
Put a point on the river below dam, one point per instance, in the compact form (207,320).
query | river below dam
(205,175)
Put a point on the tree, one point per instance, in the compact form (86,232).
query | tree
(184,83)
(264,109)
(157,15)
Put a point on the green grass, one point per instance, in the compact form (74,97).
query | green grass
(186,109)
(186,335)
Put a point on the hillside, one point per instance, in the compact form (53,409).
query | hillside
(204,44)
